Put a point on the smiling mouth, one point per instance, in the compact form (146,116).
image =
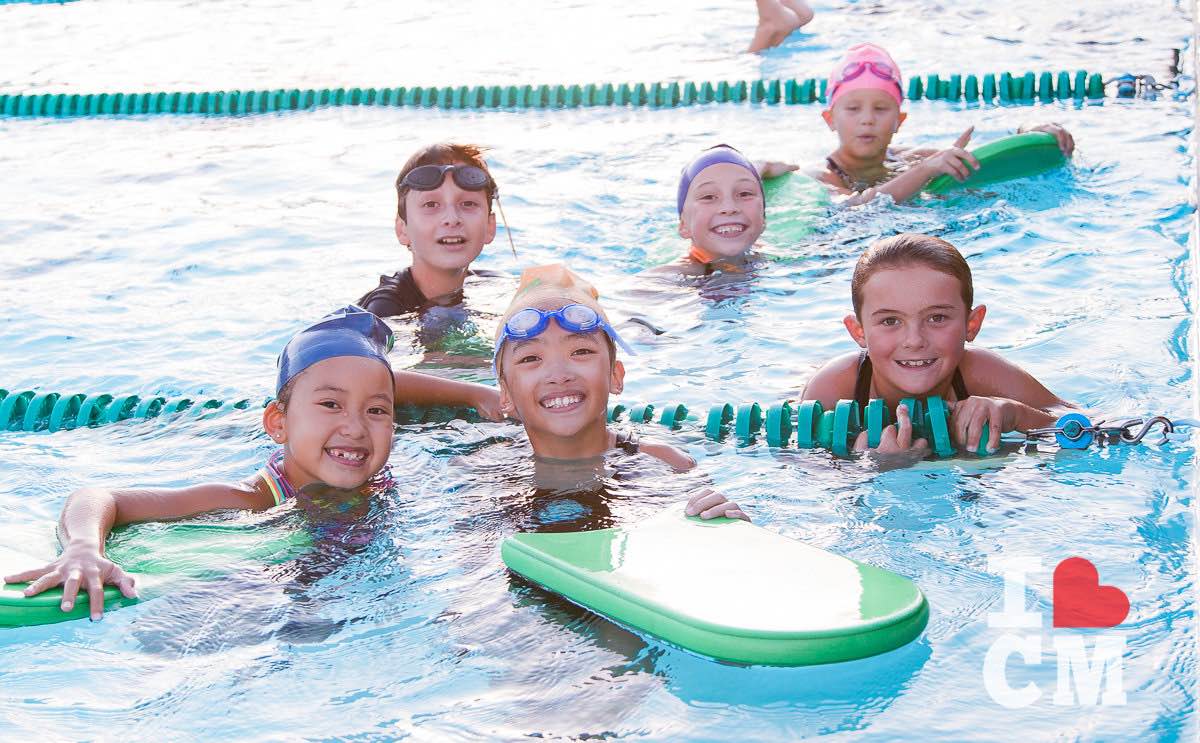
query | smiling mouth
(349,457)
(915,363)
(452,242)
(729,230)
(561,402)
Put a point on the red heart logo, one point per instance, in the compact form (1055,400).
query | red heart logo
(1080,600)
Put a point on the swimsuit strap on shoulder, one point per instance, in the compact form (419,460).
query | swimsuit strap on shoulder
(276,482)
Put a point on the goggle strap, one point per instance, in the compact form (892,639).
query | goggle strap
(504,219)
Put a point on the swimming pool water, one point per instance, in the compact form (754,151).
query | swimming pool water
(176,255)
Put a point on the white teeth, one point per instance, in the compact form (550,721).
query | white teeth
(561,402)
(915,363)
(452,241)
(349,456)
(729,229)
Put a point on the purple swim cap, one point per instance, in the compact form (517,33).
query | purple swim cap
(721,153)
(350,331)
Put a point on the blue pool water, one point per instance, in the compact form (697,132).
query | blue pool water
(176,254)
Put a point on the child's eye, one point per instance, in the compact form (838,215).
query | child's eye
(330,404)
(938,318)
(470,204)
(379,410)
(748,194)
(528,358)
(706,197)
(890,321)
(583,351)
(429,205)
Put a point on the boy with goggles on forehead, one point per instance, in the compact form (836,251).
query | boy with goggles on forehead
(865,94)
(444,217)
(556,364)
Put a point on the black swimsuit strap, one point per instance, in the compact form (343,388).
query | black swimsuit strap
(862,384)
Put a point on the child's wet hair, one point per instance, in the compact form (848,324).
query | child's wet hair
(907,249)
(443,153)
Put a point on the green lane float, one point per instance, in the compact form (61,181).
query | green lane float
(1005,89)
(1016,156)
(805,424)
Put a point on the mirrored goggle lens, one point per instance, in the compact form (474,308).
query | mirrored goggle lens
(580,317)
(471,178)
(523,322)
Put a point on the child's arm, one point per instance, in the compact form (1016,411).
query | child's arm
(705,502)
(953,161)
(832,382)
(91,513)
(427,389)
(1004,396)
(768,169)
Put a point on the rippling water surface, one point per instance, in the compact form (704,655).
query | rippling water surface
(176,254)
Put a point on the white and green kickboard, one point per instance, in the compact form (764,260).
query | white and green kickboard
(726,589)
(163,556)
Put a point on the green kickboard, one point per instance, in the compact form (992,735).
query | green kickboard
(160,555)
(794,204)
(726,589)
(1006,159)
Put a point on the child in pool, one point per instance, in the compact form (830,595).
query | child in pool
(913,315)
(333,414)
(722,212)
(444,217)
(864,94)
(556,364)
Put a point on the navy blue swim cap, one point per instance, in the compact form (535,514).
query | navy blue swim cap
(721,153)
(350,331)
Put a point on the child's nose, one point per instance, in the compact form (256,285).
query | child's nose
(353,424)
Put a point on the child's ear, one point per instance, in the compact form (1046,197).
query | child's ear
(975,321)
(272,421)
(828,116)
(855,328)
(506,403)
(684,231)
(491,229)
(402,232)
(616,381)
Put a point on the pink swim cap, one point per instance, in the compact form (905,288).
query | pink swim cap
(865,66)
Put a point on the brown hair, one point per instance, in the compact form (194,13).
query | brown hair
(904,250)
(443,153)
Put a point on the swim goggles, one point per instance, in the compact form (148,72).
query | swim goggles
(881,70)
(576,318)
(429,177)
(466,177)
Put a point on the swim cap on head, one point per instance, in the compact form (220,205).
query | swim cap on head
(721,153)
(865,66)
(552,284)
(350,331)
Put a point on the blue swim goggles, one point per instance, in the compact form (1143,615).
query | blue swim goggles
(575,318)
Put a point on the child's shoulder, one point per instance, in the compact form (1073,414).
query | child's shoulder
(989,374)
(834,380)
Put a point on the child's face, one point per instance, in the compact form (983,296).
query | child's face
(446,228)
(865,121)
(557,383)
(723,211)
(337,426)
(914,326)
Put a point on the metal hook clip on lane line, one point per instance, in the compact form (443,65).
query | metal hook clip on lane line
(1075,431)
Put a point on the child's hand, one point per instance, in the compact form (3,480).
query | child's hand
(709,504)
(953,161)
(78,564)
(1066,142)
(774,168)
(895,439)
(487,403)
(967,418)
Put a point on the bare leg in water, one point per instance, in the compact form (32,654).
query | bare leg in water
(776,20)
